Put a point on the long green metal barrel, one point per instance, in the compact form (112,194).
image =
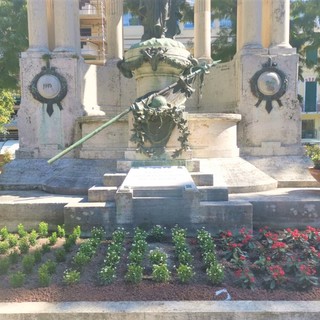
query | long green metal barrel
(88,136)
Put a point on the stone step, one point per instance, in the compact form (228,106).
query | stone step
(113,179)
(88,215)
(158,192)
(224,215)
(101,194)
(213,193)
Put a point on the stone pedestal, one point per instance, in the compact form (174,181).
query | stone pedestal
(264,131)
(41,134)
(156,64)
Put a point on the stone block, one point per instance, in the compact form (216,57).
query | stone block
(124,206)
(286,213)
(102,194)
(213,193)
(164,211)
(89,215)
(223,215)
(113,179)
(202,179)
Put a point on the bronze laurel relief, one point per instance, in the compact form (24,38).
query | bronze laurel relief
(269,84)
(154,122)
(49,87)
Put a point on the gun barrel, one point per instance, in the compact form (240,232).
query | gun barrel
(88,136)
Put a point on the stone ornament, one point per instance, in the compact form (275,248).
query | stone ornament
(157,53)
(49,87)
(269,84)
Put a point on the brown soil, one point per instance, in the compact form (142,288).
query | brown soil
(89,290)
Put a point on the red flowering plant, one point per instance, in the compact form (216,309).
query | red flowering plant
(296,238)
(286,257)
(245,278)
(306,276)
(275,278)
(262,263)
(313,236)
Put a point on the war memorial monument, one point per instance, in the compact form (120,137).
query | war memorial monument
(166,137)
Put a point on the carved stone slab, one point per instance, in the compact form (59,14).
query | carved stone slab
(158,178)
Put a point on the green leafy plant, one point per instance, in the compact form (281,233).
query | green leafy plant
(44,276)
(33,235)
(37,255)
(185,273)
(157,256)
(80,259)
(53,238)
(14,256)
(215,273)
(157,233)
(43,229)
(17,279)
(12,240)
(134,273)
(4,265)
(72,239)
(185,257)
(45,248)
(71,276)
(24,245)
(98,233)
(60,231)
(118,235)
(313,152)
(107,274)
(51,266)
(4,247)
(28,263)
(60,255)
(4,233)
(161,273)
(21,231)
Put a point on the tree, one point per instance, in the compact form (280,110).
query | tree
(224,47)
(13,40)
(6,108)
(305,31)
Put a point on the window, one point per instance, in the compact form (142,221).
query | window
(310,104)
(312,55)
(308,129)
(85,32)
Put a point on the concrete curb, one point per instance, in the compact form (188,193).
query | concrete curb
(166,310)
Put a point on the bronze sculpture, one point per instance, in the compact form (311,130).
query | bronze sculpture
(160,18)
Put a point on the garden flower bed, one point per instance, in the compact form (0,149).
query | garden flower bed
(159,264)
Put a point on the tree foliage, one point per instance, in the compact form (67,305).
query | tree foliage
(13,40)
(305,31)
(6,108)
(224,47)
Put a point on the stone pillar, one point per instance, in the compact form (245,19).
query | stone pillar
(202,30)
(66,20)
(249,24)
(37,26)
(239,25)
(50,17)
(280,23)
(114,12)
